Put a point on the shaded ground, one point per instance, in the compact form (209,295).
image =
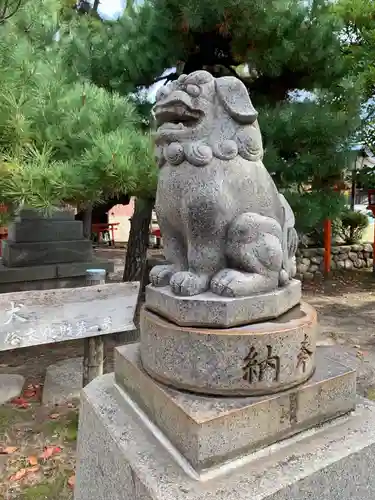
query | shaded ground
(346,309)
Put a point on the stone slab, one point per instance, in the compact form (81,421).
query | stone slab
(51,271)
(209,430)
(334,461)
(209,309)
(42,230)
(63,382)
(10,386)
(30,214)
(49,316)
(260,358)
(53,252)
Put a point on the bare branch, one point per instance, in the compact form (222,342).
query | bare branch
(8,11)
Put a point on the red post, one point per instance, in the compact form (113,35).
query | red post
(327,246)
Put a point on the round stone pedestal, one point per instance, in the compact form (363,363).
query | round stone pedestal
(256,359)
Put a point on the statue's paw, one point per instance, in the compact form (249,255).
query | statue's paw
(224,282)
(186,283)
(232,283)
(161,275)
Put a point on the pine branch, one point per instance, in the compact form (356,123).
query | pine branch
(6,11)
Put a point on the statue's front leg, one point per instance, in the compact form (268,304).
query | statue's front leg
(175,253)
(206,250)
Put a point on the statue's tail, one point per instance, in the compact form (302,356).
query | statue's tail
(290,244)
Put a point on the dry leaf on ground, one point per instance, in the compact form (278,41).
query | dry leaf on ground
(72,481)
(20,402)
(49,451)
(54,416)
(8,450)
(18,475)
(33,460)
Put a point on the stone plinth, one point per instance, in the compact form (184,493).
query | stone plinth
(260,358)
(16,254)
(210,430)
(209,309)
(46,252)
(122,455)
(37,240)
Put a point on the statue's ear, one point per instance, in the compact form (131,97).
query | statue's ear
(236,100)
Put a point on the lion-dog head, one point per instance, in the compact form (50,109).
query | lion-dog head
(200,117)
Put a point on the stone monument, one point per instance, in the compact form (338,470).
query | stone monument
(226,396)
(46,252)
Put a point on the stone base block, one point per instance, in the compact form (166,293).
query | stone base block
(260,358)
(208,430)
(208,309)
(44,230)
(42,253)
(123,456)
(69,275)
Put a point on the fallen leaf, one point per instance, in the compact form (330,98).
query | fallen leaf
(54,416)
(18,475)
(20,402)
(29,393)
(72,481)
(49,451)
(33,460)
(32,470)
(8,450)
(70,405)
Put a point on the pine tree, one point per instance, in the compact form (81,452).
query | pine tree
(62,138)
(278,48)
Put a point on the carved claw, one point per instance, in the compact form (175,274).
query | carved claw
(186,283)
(232,283)
(161,275)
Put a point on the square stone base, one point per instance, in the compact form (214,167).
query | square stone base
(210,430)
(122,456)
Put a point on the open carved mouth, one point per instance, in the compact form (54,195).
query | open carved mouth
(176,116)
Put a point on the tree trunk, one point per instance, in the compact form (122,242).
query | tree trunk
(136,253)
(96,5)
(87,220)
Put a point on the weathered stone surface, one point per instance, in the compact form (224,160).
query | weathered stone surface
(246,360)
(209,309)
(19,279)
(63,381)
(10,386)
(41,230)
(43,317)
(209,430)
(220,207)
(333,461)
(41,253)
(30,214)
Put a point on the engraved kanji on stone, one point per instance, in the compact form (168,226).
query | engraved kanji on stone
(305,353)
(81,327)
(13,314)
(13,339)
(254,369)
(66,330)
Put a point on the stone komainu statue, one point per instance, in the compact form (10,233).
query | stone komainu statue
(225,226)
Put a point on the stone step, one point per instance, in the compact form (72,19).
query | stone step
(44,230)
(51,252)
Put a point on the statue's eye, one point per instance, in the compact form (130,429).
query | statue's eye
(193,90)
(162,93)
